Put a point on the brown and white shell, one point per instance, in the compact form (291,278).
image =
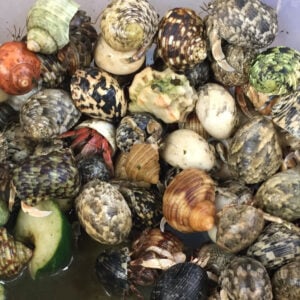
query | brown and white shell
(103,212)
(188,201)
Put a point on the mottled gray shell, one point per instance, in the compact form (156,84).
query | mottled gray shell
(277,245)
(103,212)
(254,152)
(138,128)
(182,281)
(181,41)
(48,113)
(250,24)
(97,94)
(280,195)
(245,278)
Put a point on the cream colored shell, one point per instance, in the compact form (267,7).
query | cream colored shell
(216,110)
(184,148)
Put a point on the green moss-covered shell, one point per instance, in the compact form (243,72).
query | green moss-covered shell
(276,71)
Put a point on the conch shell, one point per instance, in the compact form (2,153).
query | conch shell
(48,25)
(19,68)
(188,201)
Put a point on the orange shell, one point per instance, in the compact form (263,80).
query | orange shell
(19,68)
(142,163)
(188,201)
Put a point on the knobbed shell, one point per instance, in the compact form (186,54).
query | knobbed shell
(254,152)
(129,25)
(181,41)
(13,255)
(181,281)
(188,201)
(98,95)
(279,195)
(47,25)
(245,278)
(216,110)
(19,68)
(103,212)
(48,113)
(275,71)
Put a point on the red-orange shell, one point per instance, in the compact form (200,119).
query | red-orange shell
(188,201)
(19,68)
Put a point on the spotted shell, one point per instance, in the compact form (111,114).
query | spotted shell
(254,152)
(129,25)
(98,95)
(138,128)
(188,201)
(47,25)
(245,277)
(238,227)
(48,113)
(19,68)
(103,212)
(275,71)
(277,245)
(181,41)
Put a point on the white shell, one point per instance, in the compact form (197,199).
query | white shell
(184,148)
(113,61)
(216,110)
(105,128)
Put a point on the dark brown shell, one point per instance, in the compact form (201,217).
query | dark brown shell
(238,227)
(254,152)
(245,278)
(181,41)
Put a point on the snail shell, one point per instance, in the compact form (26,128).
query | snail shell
(47,25)
(48,113)
(216,110)
(188,201)
(245,278)
(13,255)
(275,71)
(181,41)
(238,227)
(181,281)
(129,25)
(19,68)
(103,212)
(254,152)
(279,195)
(98,95)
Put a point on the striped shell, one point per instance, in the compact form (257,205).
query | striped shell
(47,25)
(181,41)
(97,94)
(129,25)
(254,152)
(188,201)
(48,113)
(275,71)
(103,212)
(13,255)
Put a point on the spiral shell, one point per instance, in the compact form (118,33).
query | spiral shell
(47,25)
(48,113)
(13,255)
(103,212)
(275,71)
(129,25)
(98,95)
(181,41)
(19,68)
(188,201)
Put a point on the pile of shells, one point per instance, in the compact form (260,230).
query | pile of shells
(204,139)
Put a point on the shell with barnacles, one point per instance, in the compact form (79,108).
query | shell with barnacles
(181,41)
(250,24)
